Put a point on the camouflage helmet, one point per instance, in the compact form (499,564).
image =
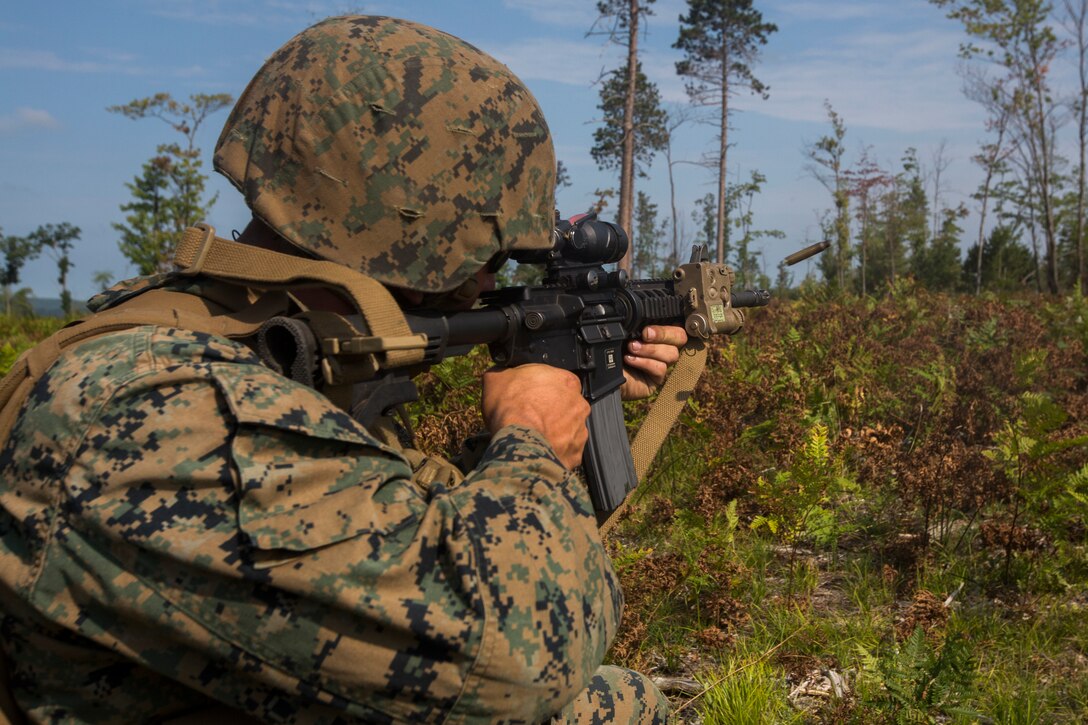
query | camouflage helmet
(394,149)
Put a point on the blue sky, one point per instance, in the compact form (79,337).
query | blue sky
(887,66)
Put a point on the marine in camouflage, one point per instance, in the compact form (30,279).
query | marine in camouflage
(394,149)
(181,525)
(184,529)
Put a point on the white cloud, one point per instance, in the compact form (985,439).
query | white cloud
(10,58)
(115,63)
(823,10)
(896,81)
(572,62)
(254,13)
(110,55)
(24,118)
(575,14)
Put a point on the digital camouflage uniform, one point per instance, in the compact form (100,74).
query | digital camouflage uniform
(176,518)
(181,526)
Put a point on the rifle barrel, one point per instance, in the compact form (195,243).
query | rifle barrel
(751,298)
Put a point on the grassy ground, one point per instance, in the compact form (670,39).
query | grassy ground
(888,494)
(874,512)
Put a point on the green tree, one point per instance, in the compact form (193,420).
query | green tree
(58,240)
(901,224)
(742,197)
(1006,264)
(705,216)
(103,279)
(721,40)
(1017,208)
(783,281)
(1076,22)
(150,232)
(17,252)
(1015,35)
(600,200)
(937,265)
(827,155)
(623,18)
(993,156)
(168,196)
(1070,227)
(913,209)
(865,183)
(649,236)
(650,126)
(562,176)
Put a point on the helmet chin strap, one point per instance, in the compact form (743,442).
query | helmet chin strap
(392,344)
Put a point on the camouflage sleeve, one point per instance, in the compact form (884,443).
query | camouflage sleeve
(186,517)
(555,599)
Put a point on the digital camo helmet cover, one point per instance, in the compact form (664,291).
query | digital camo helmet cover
(394,149)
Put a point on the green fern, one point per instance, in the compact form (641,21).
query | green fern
(816,451)
(916,682)
(1044,491)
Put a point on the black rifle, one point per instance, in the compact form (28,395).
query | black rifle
(579,319)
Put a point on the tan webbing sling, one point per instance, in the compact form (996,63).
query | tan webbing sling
(201,252)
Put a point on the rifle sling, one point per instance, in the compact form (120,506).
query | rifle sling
(201,252)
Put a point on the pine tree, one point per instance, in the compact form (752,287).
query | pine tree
(147,236)
(1006,264)
(705,216)
(562,176)
(866,182)
(650,129)
(901,224)
(721,40)
(742,197)
(937,266)
(913,209)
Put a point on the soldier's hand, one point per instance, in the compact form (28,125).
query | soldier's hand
(647,361)
(541,397)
